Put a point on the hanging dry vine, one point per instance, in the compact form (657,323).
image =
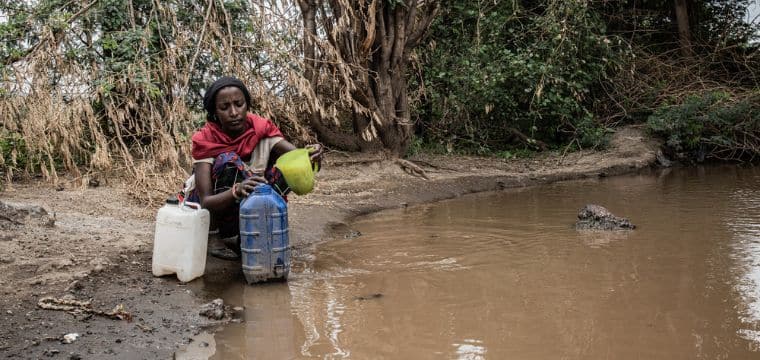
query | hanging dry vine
(111,88)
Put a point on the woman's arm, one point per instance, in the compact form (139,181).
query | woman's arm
(205,188)
(278,149)
(224,200)
(315,152)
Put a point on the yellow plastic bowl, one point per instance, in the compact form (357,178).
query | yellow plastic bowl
(297,169)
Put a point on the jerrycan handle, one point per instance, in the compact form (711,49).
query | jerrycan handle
(190,206)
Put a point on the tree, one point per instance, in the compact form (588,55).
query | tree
(95,85)
(684,34)
(505,76)
(356,58)
(693,26)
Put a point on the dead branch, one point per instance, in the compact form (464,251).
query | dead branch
(411,168)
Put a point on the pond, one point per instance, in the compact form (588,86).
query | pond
(505,275)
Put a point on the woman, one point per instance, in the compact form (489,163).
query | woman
(234,152)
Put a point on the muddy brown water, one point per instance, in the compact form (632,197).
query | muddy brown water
(505,276)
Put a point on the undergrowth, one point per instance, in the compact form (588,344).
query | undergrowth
(712,125)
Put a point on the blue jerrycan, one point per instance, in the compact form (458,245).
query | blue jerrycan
(264,241)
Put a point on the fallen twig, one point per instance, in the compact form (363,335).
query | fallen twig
(78,307)
(412,168)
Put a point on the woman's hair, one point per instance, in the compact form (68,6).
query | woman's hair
(209,98)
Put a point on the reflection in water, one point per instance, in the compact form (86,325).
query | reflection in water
(745,226)
(269,330)
(504,275)
(470,350)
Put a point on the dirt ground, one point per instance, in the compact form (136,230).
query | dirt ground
(99,245)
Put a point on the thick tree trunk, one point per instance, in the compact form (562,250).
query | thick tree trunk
(324,132)
(684,33)
(372,40)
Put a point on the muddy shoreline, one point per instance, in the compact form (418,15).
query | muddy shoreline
(100,247)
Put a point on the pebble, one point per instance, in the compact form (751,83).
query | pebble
(213,310)
(70,338)
(51,352)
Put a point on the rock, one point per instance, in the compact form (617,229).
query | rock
(352,234)
(70,338)
(99,264)
(662,159)
(213,310)
(6,259)
(369,296)
(19,214)
(51,352)
(596,217)
(74,286)
(54,265)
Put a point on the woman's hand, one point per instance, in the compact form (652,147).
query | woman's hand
(316,152)
(246,186)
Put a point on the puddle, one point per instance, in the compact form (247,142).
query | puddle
(505,275)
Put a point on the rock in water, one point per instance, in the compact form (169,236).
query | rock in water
(213,310)
(596,217)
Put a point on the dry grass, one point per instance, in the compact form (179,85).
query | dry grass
(81,119)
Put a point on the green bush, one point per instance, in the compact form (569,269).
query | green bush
(715,125)
(13,155)
(492,69)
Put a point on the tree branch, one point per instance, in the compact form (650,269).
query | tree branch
(422,25)
(44,39)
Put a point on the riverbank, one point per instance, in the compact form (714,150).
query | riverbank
(100,246)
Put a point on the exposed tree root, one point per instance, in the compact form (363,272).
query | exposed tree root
(412,168)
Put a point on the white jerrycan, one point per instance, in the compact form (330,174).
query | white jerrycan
(181,239)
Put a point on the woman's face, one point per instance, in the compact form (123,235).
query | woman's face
(231,110)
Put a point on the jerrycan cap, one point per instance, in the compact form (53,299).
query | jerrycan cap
(172,200)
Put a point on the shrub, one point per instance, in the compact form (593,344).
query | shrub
(713,125)
(500,75)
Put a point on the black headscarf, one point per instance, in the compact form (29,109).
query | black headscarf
(209,98)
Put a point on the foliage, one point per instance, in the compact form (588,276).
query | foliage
(12,154)
(493,67)
(91,87)
(716,124)
(97,85)
(652,23)
(705,105)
